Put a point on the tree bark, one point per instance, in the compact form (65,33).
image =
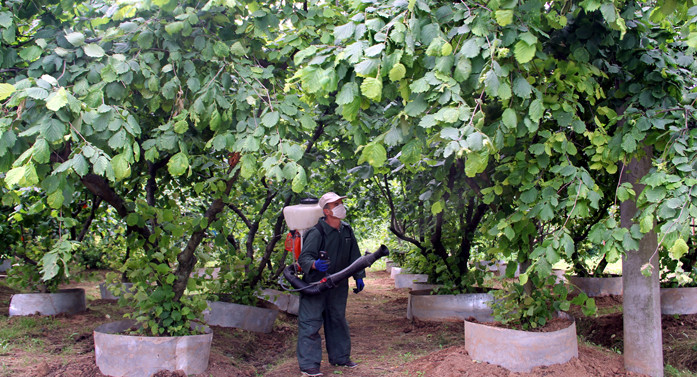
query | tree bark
(86,226)
(643,346)
(254,228)
(186,258)
(277,235)
(100,187)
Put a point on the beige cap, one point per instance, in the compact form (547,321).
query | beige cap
(329,197)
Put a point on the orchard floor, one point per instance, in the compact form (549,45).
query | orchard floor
(385,343)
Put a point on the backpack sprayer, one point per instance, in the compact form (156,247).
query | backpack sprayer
(300,218)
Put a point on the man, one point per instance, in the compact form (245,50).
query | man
(328,307)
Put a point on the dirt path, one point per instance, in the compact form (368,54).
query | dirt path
(384,343)
(383,340)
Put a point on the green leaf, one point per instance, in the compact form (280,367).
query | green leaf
(174,27)
(178,164)
(53,130)
(145,39)
(194,84)
(6,90)
(55,199)
(411,152)
(471,48)
(523,278)
(419,86)
(374,50)
(529,196)
(647,270)
(181,126)
(57,100)
(536,110)
(14,175)
(248,166)
(522,88)
(30,53)
(76,39)
(446,49)
(372,88)
(220,49)
(122,169)
(37,93)
(450,133)
(476,163)
(375,154)
(307,122)
(300,181)
(215,120)
(504,17)
(448,114)
(546,213)
(646,223)
(524,51)
(552,256)
(132,219)
(678,249)
(397,72)
(509,233)
(80,165)
(6,19)
(428,121)
(437,207)
(565,306)
(41,151)
(350,111)
(344,31)
(510,119)
(271,119)
(434,48)
(49,266)
(304,53)
(609,12)
(347,94)
(237,49)
(463,69)
(118,140)
(93,50)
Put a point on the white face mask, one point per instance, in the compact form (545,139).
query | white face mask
(339,211)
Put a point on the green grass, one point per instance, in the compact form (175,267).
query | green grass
(671,371)
(24,332)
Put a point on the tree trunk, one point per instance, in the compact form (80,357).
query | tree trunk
(643,346)
(186,258)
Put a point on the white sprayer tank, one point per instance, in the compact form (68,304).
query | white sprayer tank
(302,216)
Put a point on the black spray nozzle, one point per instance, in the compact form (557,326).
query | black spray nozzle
(332,280)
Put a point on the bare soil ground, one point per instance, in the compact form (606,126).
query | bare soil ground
(384,342)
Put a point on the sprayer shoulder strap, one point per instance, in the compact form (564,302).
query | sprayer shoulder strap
(320,229)
(318,226)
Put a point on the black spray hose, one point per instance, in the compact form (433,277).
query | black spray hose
(331,281)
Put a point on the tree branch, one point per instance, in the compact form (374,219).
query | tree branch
(186,258)
(255,225)
(100,187)
(86,226)
(277,235)
(241,214)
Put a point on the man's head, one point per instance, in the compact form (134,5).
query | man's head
(329,201)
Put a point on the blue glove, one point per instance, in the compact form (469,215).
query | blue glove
(321,265)
(359,286)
